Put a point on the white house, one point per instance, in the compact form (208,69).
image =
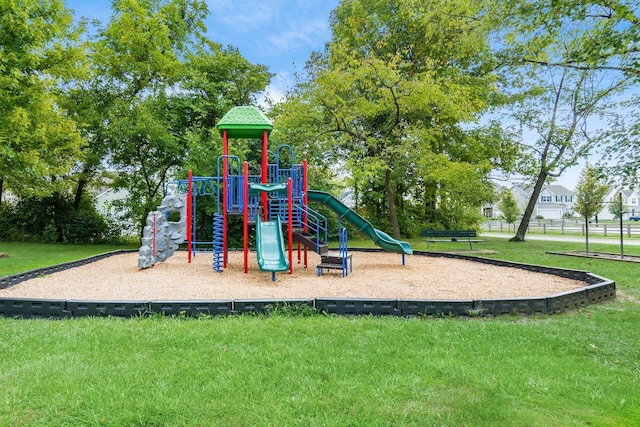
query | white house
(104,205)
(630,198)
(492,210)
(554,202)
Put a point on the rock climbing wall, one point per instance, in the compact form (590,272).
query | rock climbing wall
(160,237)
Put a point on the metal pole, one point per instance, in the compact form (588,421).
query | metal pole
(245,216)
(225,172)
(265,174)
(290,222)
(586,225)
(305,202)
(189,212)
(621,238)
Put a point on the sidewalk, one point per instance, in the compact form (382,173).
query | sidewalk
(614,240)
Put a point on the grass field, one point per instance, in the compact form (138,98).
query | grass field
(575,369)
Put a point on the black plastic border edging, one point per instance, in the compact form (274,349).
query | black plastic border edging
(596,290)
(8,281)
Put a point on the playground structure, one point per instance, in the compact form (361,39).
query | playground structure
(276,201)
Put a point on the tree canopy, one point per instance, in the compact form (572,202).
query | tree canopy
(590,193)
(566,65)
(40,50)
(140,96)
(398,92)
(164,87)
(412,105)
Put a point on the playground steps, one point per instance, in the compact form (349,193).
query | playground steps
(330,261)
(309,240)
(336,262)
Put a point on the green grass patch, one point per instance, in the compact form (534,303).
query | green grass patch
(23,257)
(577,369)
(297,368)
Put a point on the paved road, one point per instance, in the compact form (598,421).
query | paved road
(563,237)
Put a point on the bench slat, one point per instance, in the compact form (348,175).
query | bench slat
(448,233)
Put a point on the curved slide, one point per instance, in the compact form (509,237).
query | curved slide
(380,238)
(270,246)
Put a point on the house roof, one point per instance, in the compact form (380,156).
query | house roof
(559,190)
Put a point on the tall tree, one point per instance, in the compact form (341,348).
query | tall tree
(396,90)
(40,50)
(556,131)
(595,34)
(168,87)
(576,56)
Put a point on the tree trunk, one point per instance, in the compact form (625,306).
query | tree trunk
(1,188)
(82,182)
(429,197)
(392,204)
(526,218)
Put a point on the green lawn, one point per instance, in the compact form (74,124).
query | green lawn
(575,369)
(27,256)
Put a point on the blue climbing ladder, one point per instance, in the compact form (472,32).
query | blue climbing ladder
(218,243)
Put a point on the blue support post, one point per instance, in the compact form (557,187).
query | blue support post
(343,239)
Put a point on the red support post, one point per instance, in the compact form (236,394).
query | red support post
(189,212)
(225,153)
(290,224)
(265,173)
(246,217)
(305,202)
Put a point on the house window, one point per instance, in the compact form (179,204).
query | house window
(558,198)
(633,200)
(545,199)
(569,199)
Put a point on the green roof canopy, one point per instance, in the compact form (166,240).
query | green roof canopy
(245,122)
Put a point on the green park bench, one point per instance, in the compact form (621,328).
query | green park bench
(434,236)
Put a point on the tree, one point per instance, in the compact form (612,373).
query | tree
(598,38)
(590,193)
(617,208)
(591,50)
(621,156)
(509,206)
(556,131)
(394,94)
(596,34)
(40,50)
(167,87)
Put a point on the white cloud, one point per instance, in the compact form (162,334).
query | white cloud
(312,34)
(277,90)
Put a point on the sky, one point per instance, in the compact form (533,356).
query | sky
(280,34)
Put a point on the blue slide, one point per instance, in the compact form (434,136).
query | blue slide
(380,238)
(270,246)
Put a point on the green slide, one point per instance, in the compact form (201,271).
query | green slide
(380,238)
(270,246)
